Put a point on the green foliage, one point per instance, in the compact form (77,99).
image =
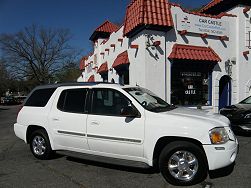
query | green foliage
(3,78)
(69,73)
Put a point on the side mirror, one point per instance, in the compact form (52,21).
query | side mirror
(129,111)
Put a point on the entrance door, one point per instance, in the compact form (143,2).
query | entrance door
(225,92)
(104,76)
(123,72)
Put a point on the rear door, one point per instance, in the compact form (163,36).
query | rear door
(109,132)
(68,119)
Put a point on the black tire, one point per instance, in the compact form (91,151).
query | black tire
(191,159)
(40,145)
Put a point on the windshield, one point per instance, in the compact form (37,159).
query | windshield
(246,101)
(149,100)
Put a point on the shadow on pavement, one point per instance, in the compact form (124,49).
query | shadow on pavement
(56,156)
(222,172)
(113,166)
(2,109)
(8,107)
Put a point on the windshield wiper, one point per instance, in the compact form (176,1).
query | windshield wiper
(161,108)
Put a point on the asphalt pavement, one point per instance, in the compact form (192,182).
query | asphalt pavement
(18,167)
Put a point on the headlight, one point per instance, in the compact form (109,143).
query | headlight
(218,135)
(248,116)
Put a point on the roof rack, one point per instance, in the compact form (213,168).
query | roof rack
(56,85)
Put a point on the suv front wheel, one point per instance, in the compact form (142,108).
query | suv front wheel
(40,144)
(183,163)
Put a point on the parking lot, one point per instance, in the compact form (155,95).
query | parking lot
(18,167)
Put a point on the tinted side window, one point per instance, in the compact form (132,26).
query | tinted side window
(72,100)
(40,97)
(108,102)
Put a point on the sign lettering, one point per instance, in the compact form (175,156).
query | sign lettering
(201,25)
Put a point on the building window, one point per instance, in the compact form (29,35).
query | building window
(105,77)
(248,32)
(191,84)
(95,60)
(124,77)
(89,68)
(249,39)
(123,72)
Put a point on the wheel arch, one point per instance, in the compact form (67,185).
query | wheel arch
(32,128)
(163,141)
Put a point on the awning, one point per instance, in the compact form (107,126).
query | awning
(189,52)
(82,63)
(121,59)
(103,68)
(91,79)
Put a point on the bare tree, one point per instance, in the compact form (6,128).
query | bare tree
(36,52)
(70,71)
(3,77)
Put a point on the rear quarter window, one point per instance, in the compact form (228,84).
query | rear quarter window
(40,97)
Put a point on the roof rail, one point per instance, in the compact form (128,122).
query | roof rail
(56,85)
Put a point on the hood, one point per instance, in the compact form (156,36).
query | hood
(236,109)
(216,119)
(240,106)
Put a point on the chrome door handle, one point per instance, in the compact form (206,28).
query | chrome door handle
(94,123)
(55,119)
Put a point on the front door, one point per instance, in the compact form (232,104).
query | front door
(109,131)
(68,120)
(225,92)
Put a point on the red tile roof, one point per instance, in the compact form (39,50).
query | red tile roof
(147,12)
(91,79)
(104,30)
(107,27)
(181,51)
(103,68)
(218,6)
(210,5)
(219,16)
(121,59)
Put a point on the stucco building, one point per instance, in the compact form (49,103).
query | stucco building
(187,58)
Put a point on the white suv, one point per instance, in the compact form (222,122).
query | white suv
(127,123)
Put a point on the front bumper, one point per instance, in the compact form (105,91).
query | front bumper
(20,131)
(220,156)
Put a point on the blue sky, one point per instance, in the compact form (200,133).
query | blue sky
(81,16)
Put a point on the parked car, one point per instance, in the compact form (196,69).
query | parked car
(9,100)
(1,102)
(20,99)
(239,115)
(127,123)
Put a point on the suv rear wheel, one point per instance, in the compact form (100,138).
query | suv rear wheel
(183,163)
(40,145)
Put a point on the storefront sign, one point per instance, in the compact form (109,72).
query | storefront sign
(198,24)
(190,74)
(190,92)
